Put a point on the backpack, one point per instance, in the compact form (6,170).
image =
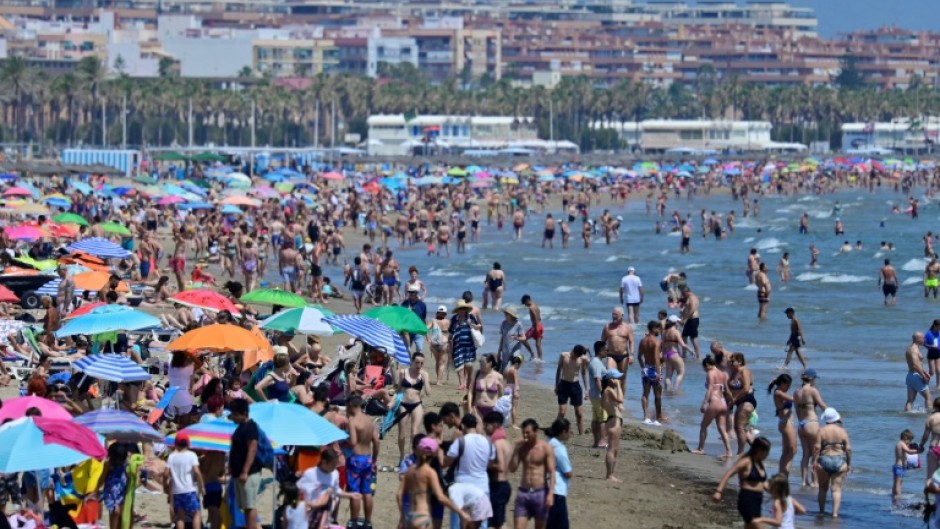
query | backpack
(265,454)
(357,282)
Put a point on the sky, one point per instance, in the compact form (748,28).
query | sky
(837,16)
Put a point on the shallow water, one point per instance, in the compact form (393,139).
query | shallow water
(855,343)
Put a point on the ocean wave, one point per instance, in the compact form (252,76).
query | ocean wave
(768,243)
(475,279)
(913,281)
(748,240)
(831,278)
(914,265)
(547,259)
(443,272)
(694,266)
(569,288)
(751,287)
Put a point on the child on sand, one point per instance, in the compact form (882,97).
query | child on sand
(901,451)
(784,508)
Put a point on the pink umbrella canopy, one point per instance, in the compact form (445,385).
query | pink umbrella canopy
(265,192)
(24,232)
(16,408)
(332,175)
(170,200)
(17,192)
(72,435)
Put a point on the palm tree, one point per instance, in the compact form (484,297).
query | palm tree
(16,77)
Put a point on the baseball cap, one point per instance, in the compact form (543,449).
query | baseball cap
(809,373)
(674,319)
(182,440)
(441,308)
(612,373)
(631,269)
(428,444)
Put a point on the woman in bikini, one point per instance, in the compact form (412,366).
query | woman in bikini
(741,384)
(673,346)
(420,482)
(833,455)
(715,405)
(311,356)
(612,402)
(511,376)
(411,413)
(783,403)
(752,479)
(931,438)
(487,387)
(806,399)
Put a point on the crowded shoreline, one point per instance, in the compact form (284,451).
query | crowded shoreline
(606,226)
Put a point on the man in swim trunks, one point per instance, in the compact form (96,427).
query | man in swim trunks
(690,321)
(753,262)
(567,385)
(888,281)
(534,498)
(360,466)
(796,339)
(537,331)
(518,222)
(932,277)
(618,335)
(685,247)
(650,355)
(549,231)
(917,379)
(763,291)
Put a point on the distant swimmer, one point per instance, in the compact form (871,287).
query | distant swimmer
(753,259)
(763,291)
(846,247)
(888,281)
(784,267)
(813,256)
(684,246)
(931,277)
(796,339)
(549,232)
(804,224)
(917,379)
(839,227)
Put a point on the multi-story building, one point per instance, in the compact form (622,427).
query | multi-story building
(395,135)
(391,51)
(293,58)
(663,135)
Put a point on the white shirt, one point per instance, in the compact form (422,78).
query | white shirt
(181,465)
(296,516)
(631,286)
(314,482)
(477,454)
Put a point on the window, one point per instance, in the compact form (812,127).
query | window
(690,134)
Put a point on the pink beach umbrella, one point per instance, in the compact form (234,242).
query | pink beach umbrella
(17,192)
(16,408)
(170,200)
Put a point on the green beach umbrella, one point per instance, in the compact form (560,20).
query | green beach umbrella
(401,319)
(115,228)
(170,156)
(457,171)
(70,218)
(274,296)
(45,264)
(305,320)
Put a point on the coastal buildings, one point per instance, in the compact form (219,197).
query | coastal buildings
(902,135)
(664,135)
(400,135)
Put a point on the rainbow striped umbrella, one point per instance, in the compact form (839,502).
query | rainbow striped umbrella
(213,435)
(119,425)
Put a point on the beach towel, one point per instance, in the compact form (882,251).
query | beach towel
(134,463)
(392,417)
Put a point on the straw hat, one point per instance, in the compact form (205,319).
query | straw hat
(463,305)
(511,311)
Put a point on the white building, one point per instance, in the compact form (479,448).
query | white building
(660,135)
(393,135)
(210,57)
(390,50)
(904,135)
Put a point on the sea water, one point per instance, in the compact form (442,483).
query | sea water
(854,342)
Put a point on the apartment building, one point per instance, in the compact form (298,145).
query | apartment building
(395,135)
(662,135)
(293,58)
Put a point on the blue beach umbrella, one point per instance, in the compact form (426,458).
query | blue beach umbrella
(288,424)
(81,187)
(23,448)
(374,333)
(119,425)
(99,247)
(109,318)
(111,367)
(195,205)
(230,209)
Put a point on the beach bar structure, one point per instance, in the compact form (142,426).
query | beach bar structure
(398,135)
(127,161)
(906,135)
(662,135)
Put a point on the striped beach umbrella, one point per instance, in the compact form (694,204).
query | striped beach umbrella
(99,247)
(307,320)
(119,425)
(374,333)
(213,435)
(111,367)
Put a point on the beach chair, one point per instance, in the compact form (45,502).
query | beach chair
(58,364)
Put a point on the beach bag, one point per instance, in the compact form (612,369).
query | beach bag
(435,336)
(478,339)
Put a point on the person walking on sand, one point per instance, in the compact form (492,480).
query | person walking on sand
(572,367)
(833,455)
(918,379)
(763,291)
(618,335)
(536,331)
(783,404)
(631,294)
(752,479)
(796,339)
(612,402)
(535,496)
(559,433)
(360,465)
(888,281)
(651,371)
(714,406)
(184,481)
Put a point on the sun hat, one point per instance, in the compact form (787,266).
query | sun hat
(462,305)
(830,416)
(510,310)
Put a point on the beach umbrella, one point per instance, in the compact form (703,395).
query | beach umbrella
(16,408)
(7,295)
(401,319)
(240,201)
(306,320)
(17,192)
(218,338)
(231,210)
(274,296)
(25,232)
(62,230)
(115,228)
(41,265)
(109,318)
(70,218)
(119,425)
(170,200)
(332,175)
(95,280)
(81,187)
(38,443)
(457,171)
(99,247)
(111,367)
(287,424)
(33,208)
(374,333)
(85,309)
(214,435)
(264,192)
(205,299)
(196,205)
